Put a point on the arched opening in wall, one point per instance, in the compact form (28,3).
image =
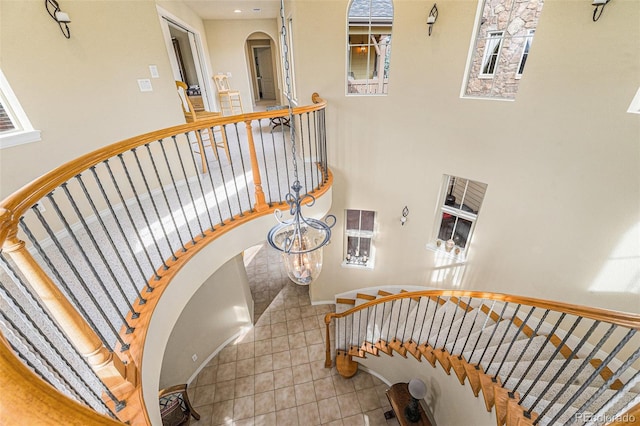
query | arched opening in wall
(261,54)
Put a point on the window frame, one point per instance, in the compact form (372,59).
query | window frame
(374,26)
(486,57)
(23,131)
(360,234)
(439,245)
(525,53)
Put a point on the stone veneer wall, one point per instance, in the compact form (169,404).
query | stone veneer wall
(515,18)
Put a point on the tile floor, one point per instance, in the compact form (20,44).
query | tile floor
(275,375)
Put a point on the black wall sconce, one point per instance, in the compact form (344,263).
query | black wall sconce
(59,16)
(405,213)
(431,19)
(597,12)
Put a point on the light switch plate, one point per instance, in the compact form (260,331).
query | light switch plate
(145,85)
(153,69)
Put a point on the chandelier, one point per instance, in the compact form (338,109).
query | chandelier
(300,239)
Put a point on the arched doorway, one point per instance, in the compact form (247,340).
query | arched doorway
(262,53)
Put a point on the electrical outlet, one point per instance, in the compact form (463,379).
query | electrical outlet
(153,69)
(194,357)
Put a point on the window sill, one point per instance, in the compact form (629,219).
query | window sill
(369,265)
(19,138)
(443,254)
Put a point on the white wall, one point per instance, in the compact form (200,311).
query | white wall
(227,49)
(217,311)
(562,162)
(82,93)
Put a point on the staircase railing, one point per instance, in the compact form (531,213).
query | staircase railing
(88,249)
(536,361)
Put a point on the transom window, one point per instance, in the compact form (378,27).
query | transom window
(500,48)
(461,201)
(359,229)
(369,46)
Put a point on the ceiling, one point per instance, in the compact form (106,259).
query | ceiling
(224,9)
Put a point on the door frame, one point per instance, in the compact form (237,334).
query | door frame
(201,64)
(255,69)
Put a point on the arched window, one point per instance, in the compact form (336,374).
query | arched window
(369,46)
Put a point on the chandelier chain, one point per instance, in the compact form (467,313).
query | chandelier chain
(287,79)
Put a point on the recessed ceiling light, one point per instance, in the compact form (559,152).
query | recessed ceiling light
(237,11)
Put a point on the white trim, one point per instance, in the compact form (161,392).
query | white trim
(24,133)
(19,138)
(323,302)
(634,106)
(472,50)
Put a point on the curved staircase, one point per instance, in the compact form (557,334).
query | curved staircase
(536,362)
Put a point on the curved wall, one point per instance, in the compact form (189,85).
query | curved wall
(188,281)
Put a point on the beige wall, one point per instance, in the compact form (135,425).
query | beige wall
(82,93)
(449,403)
(219,309)
(227,49)
(561,213)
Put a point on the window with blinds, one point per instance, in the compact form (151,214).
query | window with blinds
(15,127)
(359,229)
(461,202)
(6,123)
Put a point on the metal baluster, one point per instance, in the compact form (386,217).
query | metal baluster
(395,334)
(433,320)
(513,340)
(86,259)
(478,309)
(275,160)
(424,320)
(506,331)
(550,360)
(366,331)
(616,397)
(58,276)
(186,180)
(233,173)
(404,328)
(464,316)
(133,225)
(415,321)
(633,358)
(580,369)
(375,322)
(180,202)
(384,306)
(266,167)
(317,158)
(142,211)
(224,183)
(311,172)
(493,332)
(115,249)
(486,320)
(444,314)
(453,319)
(153,203)
(535,358)
(393,302)
(292,132)
(166,200)
(526,347)
(96,246)
(244,172)
(38,306)
(325,159)
(565,363)
(304,163)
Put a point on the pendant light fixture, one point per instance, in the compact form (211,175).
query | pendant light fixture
(300,239)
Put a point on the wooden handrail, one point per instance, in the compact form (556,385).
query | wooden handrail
(623,319)
(15,205)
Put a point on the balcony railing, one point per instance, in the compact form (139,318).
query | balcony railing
(537,362)
(88,249)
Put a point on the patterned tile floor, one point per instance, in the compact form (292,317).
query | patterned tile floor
(275,375)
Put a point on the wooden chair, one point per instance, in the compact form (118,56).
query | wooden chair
(230,101)
(175,407)
(192,116)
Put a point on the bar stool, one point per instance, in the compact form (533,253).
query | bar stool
(230,101)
